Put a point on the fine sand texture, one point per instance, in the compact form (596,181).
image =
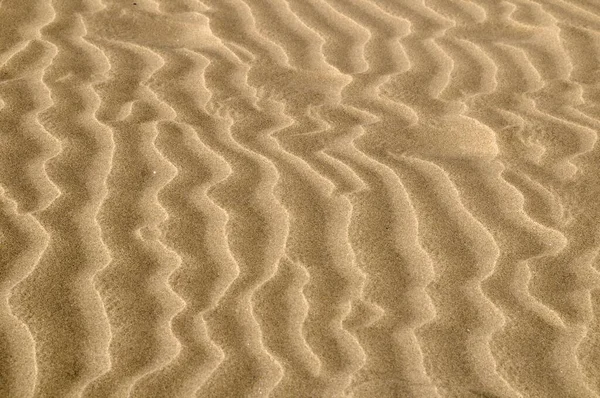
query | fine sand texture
(299,198)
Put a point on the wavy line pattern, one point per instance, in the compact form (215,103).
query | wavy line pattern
(299,198)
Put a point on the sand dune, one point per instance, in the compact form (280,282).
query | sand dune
(299,198)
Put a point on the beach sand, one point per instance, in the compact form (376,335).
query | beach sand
(299,198)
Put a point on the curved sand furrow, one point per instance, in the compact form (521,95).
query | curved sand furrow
(26,188)
(206,269)
(420,88)
(316,253)
(206,261)
(344,40)
(582,232)
(536,125)
(131,215)
(65,314)
(336,137)
(23,96)
(299,363)
(389,339)
(543,204)
(573,13)
(557,99)
(464,254)
(548,273)
(383,219)
(383,51)
(474,71)
(156,233)
(430,68)
(331,287)
(193,353)
(324,255)
(493,382)
(22,242)
(282,309)
(541,54)
(538,326)
(585,253)
(233,23)
(580,44)
(302,45)
(191,111)
(419,104)
(255,231)
(330,383)
(334,257)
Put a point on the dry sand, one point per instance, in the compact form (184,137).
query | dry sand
(299,198)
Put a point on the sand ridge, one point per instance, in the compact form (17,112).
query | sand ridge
(299,198)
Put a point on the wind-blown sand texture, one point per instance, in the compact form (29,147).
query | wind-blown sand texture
(299,198)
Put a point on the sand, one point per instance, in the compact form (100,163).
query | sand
(299,198)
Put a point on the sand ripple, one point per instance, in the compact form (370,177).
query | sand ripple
(299,198)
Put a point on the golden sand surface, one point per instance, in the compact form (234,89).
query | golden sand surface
(299,198)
